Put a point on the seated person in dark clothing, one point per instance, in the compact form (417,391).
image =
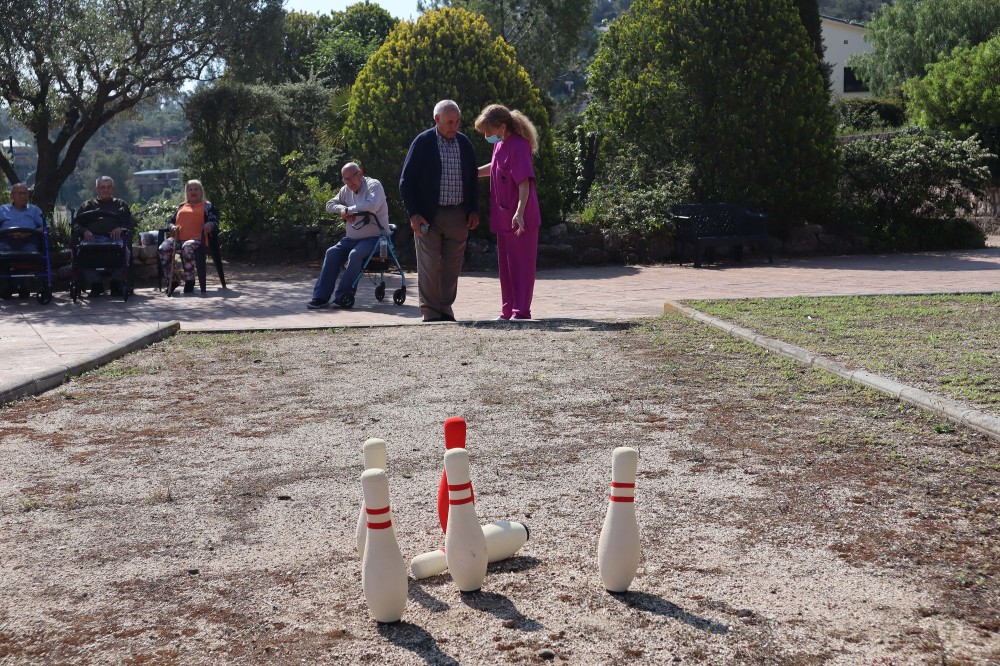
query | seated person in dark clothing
(19,215)
(116,227)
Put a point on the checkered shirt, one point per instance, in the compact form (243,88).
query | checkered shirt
(451,171)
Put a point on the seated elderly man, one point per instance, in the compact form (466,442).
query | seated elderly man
(105,219)
(359,195)
(19,215)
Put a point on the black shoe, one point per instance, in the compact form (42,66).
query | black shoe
(116,289)
(189,287)
(316,304)
(96,289)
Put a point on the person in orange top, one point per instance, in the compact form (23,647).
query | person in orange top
(193,221)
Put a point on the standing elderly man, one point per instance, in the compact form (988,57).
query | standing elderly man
(359,195)
(19,214)
(440,191)
(105,219)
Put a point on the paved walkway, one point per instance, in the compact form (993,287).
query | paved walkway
(36,338)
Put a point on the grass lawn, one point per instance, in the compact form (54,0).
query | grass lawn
(943,343)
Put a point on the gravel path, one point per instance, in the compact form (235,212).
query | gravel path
(195,503)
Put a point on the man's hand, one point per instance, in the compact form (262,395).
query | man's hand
(473,220)
(417,221)
(87,236)
(116,233)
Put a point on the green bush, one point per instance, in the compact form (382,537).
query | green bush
(732,88)
(897,190)
(859,115)
(634,199)
(446,54)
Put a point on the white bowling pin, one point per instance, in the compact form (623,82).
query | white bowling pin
(375,457)
(464,542)
(383,571)
(503,539)
(618,548)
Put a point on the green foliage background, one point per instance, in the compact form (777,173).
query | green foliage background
(446,54)
(911,34)
(961,95)
(731,89)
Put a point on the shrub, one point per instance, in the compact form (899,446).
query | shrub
(446,54)
(867,114)
(895,189)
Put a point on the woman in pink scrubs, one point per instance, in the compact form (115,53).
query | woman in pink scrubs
(514,214)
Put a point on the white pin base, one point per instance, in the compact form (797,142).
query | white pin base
(503,539)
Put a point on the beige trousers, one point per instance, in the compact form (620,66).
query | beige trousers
(440,253)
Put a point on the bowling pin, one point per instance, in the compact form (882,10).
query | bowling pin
(464,541)
(618,548)
(383,571)
(503,539)
(374,454)
(454,438)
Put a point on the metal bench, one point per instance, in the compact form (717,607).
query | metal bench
(711,225)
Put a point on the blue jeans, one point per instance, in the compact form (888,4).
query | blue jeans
(352,250)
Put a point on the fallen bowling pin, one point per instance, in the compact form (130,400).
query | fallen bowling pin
(464,541)
(383,571)
(618,548)
(454,438)
(374,452)
(503,539)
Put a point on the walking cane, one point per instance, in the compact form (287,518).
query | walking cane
(171,286)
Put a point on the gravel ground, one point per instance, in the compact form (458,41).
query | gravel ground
(195,503)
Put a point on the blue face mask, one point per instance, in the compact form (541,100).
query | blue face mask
(493,138)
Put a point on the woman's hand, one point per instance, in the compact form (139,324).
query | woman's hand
(518,222)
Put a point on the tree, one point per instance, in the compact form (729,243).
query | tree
(446,54)
(810,17)
(911,34)
(546,34)
(344,50)
(73,65)
(731,88)
(961,95)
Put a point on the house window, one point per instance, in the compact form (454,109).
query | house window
(852,83)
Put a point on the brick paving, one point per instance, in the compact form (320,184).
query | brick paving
(34,338)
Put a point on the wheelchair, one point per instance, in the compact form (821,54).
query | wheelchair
(16,266)
(105,257)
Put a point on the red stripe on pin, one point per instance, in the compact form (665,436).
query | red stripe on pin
(615,484)
(460,501)
(461,486)
(376,512)
(615,498)
(380,526)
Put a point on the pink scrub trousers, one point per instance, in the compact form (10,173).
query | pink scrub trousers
(516,256)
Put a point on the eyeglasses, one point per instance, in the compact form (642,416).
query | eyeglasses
(351,177)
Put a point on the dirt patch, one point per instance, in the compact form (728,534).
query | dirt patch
(786,516)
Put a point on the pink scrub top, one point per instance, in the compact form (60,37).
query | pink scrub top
(512,165)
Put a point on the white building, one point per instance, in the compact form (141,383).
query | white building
(843,39)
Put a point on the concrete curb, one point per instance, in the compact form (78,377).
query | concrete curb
(53,377)
(954,411)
